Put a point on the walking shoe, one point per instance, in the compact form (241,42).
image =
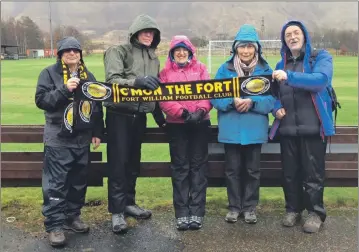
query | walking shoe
(118,223)
(137,212)
(312,224)
(290,219)
(195,222)
(76,224)
(250,217)
(232,217)
(57,238)
(182,223)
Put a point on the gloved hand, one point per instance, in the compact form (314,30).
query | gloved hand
(147,82)
(195,117)
(184,114)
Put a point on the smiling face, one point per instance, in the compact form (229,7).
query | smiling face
(294,38)
(180,55)
(246,53)
(71,56)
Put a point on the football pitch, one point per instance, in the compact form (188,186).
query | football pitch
(18,84)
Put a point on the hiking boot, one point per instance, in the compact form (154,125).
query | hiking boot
(57,238)
(195,222)
(76,224)
(119,224)
(137,212)
(312,224)
(250,217)
(232,217)
(182,223)
(290,219)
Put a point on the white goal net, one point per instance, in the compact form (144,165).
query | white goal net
(220,50)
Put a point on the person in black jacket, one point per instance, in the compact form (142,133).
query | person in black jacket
(66,149)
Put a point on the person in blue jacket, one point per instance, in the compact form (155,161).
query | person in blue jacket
(243,126)
(304,121)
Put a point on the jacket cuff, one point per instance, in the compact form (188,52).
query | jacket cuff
(65,91)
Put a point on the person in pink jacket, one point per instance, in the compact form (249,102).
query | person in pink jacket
(187,125)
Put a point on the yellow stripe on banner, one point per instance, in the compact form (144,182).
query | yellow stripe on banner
(118,93)
(114,93)
(234,86)
(238,88)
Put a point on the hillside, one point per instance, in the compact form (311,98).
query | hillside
(197,18)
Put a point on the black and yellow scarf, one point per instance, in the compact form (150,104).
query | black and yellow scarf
(77,114)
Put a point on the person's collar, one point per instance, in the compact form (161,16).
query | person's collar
(137,44)
(290,57)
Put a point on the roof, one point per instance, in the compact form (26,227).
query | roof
(4,46)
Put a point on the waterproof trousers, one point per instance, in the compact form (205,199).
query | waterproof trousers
(189,165)
(303,162)
(242,171)
(125,132)
(64,184)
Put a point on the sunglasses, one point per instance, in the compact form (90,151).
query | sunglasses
(71,49)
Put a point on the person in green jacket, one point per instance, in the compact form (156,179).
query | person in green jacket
(134,64)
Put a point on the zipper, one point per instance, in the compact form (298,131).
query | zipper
(320,119)
(294,102)
(277,122)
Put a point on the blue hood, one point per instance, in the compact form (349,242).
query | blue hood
(247,33)
(307,49)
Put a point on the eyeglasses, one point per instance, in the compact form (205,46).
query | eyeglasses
(181,50)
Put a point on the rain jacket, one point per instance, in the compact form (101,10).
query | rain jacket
(314,79)
(192,71)
(123,63)
(52,96)
(244,128)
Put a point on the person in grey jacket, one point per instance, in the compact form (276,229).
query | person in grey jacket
(66,150)
(134,64)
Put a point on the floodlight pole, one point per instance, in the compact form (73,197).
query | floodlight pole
(52,50)
(209,60)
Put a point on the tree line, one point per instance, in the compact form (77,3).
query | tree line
(342,40)
(26,34)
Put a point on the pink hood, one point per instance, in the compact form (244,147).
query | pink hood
(194,70)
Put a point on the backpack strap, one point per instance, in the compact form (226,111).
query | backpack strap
(330,91)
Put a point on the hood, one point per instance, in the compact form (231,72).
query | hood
(307,48)
(247,33)
(142,22)
(180,39)
(68,43)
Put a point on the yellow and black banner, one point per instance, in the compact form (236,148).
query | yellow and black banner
(179,91)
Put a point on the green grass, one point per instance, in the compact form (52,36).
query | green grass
(18,81)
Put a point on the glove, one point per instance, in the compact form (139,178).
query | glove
(195,117)
(147,82)
(184,114)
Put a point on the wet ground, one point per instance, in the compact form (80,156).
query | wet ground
(339,233)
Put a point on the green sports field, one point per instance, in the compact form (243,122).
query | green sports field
(18,83)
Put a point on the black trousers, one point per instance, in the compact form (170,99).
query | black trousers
(242,170)
(303,162)
(189,164)
(64,184)
(125,134)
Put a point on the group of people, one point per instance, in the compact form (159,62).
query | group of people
(302,109)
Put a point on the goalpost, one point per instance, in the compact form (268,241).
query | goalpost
(221,50)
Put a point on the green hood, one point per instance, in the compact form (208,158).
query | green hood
(142,22)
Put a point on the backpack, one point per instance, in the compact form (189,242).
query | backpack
(330,90)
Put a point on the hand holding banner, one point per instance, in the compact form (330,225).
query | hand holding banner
(179,91)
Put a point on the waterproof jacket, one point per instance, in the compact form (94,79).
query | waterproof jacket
(301,117)
(123,63)
(244,128)
(192,71)
(315,79)
(52,96)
